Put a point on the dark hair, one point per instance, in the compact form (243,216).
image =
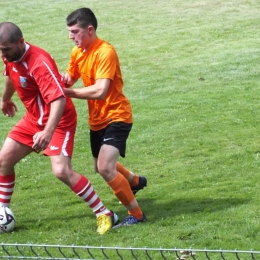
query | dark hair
(10,32)
(83,17)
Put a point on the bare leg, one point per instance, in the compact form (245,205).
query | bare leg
(106,165)
(10,154)
(81,186)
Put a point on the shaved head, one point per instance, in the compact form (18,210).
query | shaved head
(9,32)
(12,45)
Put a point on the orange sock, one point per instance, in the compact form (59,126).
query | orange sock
(134,181)
(132,178)
(137,212)
(121,189)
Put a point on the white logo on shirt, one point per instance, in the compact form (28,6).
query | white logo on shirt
(53,147)
(14,69)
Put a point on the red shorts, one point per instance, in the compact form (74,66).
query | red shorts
(62,140)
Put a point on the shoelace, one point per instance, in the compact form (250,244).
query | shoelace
(130,220)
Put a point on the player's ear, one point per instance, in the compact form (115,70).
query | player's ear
(21,40)
(91,29)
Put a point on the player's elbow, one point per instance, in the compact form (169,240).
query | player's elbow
(101,94)
(101,87)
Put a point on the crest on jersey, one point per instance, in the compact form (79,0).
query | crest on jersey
(23,82)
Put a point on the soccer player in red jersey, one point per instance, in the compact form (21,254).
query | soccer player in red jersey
(95,61)
(49,123)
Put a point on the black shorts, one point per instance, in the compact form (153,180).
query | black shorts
(114,134)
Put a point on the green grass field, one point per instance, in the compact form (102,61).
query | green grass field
(191,71)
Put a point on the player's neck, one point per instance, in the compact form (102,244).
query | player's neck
(86,48)
(24,48)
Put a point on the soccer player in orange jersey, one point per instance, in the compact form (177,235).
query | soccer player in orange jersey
(95,61)
(49,123)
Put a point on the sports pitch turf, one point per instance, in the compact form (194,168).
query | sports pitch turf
(191,71)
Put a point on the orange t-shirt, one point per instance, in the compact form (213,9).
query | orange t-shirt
(101,61)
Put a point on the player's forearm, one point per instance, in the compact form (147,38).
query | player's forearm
(96,91)
(84,93)
(56,112)
(8,90)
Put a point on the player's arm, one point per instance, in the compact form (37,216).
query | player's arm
(8,107)
(56,112)
(68,80)
(96,91)
(42,139)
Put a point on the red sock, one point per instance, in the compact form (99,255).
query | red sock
(6,189)
(85,191)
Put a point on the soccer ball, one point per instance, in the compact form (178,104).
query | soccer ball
(7,220)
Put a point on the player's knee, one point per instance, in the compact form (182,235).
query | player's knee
(102,170)
(106,172)
(1,163)
(60,172)
(5,167)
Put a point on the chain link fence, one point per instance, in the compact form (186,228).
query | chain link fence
(62,252)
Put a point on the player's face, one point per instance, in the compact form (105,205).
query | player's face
(12,51)
(81,36)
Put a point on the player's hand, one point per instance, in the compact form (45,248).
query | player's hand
(65,77)
(41,141)
(8,108)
